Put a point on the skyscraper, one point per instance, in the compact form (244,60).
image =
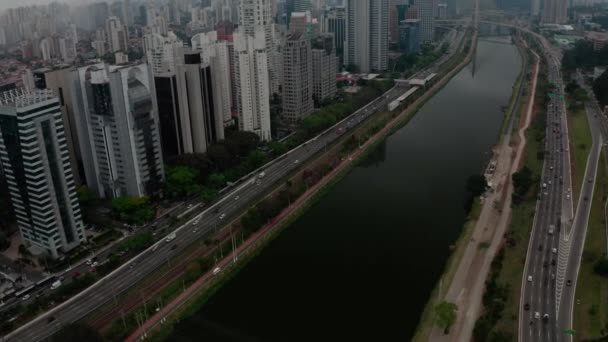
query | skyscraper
(214,52)
(427,24)
(301,5)
(251,77)
(117,124)
(334,21)
(297,82)
(324,68)
(256,15)
(554,11)
(116,34)
(366,43)
(37,167)
(201,122)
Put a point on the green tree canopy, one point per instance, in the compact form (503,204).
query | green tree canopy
(133,210)
(85,195)
(445,314)
(181,181)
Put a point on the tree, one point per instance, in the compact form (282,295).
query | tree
(601,267)
(476,185)
(600,88)
(77,332)
(216,181)
(522,180)
(4,241)
(193,271)
(181,181)
(85,195)
(208,195)
(256,159)
(445,315)
(277,148)
(133,210)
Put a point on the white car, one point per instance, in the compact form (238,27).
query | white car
(537,315)
(222,216)
(26,297)
(216,270)
(554,250)
(530,278)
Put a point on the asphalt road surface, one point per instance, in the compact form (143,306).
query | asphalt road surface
(542,278)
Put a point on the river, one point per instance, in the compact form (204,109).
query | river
(360,265)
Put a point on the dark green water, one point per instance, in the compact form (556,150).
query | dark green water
(361,264)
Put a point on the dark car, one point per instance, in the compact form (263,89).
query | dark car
(540,247)
(173,247)
(569,282)
(545,264)
(553,262)
(546,318)
(50,319)
(526,306)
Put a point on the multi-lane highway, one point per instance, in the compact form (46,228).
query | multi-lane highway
(541,278)
(598,125)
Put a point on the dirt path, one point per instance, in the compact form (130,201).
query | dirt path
(467,287)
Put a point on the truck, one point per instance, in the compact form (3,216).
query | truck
(170,237)
(56,284)
(261,175)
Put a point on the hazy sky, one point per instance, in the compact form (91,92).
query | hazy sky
(5,4)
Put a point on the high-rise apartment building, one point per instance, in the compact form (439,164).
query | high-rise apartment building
(366,44)
(251,77)
(301,5)
(256,15)
(427,20)
(36,163)
(117,35)
(118,129)
(554,11)
(334,21)
(323,68)
(297,82)
(58,80)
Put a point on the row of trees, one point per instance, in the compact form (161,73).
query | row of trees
(329,115)
(582,55)
(206,173)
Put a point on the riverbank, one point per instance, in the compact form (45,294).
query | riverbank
(502,297)
(378,137)
(466,271)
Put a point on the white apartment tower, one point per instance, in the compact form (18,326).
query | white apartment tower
(116,34)
(36,163)
(253,16)
(251,77)
(118,129)
(366,44)
(215,53)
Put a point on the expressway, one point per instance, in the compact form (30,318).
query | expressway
(210,220)
(541,277)
(598,125)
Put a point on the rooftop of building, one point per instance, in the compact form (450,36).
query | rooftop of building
(596,35)
(21,97)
